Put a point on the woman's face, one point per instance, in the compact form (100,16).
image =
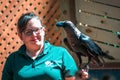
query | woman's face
(33,36)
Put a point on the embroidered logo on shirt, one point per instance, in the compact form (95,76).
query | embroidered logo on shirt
(48,63)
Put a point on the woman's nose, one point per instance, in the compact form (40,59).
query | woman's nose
(34,33)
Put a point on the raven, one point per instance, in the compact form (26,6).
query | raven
(82,44)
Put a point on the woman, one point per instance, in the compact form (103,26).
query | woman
(37,59)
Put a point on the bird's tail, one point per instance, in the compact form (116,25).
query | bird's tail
(105,55)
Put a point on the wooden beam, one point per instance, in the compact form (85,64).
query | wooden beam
(72,11)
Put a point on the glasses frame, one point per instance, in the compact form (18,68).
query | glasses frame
(30,32)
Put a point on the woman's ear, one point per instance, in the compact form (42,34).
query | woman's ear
(20,35)
(45,30)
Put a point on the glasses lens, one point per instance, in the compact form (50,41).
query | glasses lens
(30,32)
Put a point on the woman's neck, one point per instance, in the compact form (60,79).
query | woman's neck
(34,53)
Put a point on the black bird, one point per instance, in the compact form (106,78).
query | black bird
(82,44)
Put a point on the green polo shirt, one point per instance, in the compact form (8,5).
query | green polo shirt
(54,63)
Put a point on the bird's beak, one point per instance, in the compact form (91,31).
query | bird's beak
(60,23)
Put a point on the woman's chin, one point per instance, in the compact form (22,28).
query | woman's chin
(38,43)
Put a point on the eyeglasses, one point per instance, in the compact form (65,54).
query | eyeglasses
(29,32)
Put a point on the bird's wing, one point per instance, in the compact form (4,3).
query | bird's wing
(90,45)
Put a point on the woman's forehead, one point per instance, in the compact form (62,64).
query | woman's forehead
(34,23)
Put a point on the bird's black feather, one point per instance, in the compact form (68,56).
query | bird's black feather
(82,44)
